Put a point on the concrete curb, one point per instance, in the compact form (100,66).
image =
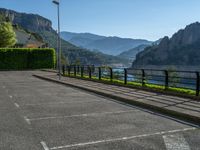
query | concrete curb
(164,111)
(182,95)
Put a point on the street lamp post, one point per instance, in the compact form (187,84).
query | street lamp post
(57,49)
(57,2)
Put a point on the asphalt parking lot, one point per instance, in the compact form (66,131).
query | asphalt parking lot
(40,115)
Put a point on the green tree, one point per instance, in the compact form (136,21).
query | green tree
(7,35)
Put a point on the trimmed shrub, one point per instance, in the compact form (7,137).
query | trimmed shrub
(23,58)
(41,58)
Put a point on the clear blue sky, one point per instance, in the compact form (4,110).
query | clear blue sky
(148,19)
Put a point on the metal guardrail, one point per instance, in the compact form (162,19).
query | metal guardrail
(166,78)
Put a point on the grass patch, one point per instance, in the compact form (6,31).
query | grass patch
(137,84)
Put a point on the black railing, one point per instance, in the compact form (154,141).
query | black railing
(166,79)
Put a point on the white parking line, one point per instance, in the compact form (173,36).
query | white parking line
(175,142)
(121,139)
(44,145)
(82,115)
(27,120)
(17,105)
(158,114)
(54,103)
(11,96)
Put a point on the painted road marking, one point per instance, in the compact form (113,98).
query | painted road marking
(54,103)
(27,120)
(44,145)
(121,139)
(155,113)
(17,105)
(82,115)
(11,96)
(175,142)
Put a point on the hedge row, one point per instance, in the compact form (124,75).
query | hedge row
(23,58)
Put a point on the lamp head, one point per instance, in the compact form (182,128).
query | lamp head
(57,2)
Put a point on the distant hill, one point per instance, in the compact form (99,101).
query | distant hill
(107,45)
(80,39)
(183,48)
(37,24)
(131,53)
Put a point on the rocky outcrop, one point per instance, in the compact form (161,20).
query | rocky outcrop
(32,22)
(189,35)
(182,49)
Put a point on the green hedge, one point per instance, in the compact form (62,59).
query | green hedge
(23,58)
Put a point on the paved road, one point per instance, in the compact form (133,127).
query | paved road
(40,115)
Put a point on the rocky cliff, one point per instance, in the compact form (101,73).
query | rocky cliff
(183,48)
(32,22)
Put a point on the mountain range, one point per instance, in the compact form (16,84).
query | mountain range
(41,26)
(108,45)
(183,48)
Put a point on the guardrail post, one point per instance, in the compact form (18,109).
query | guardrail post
(166,79)
(111,74)
(99,73)
(90,72)
(82,69)
(63,69)
(125,76)
(143,77)
(69,70)
(197,83)
(74,70)
(78,69)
